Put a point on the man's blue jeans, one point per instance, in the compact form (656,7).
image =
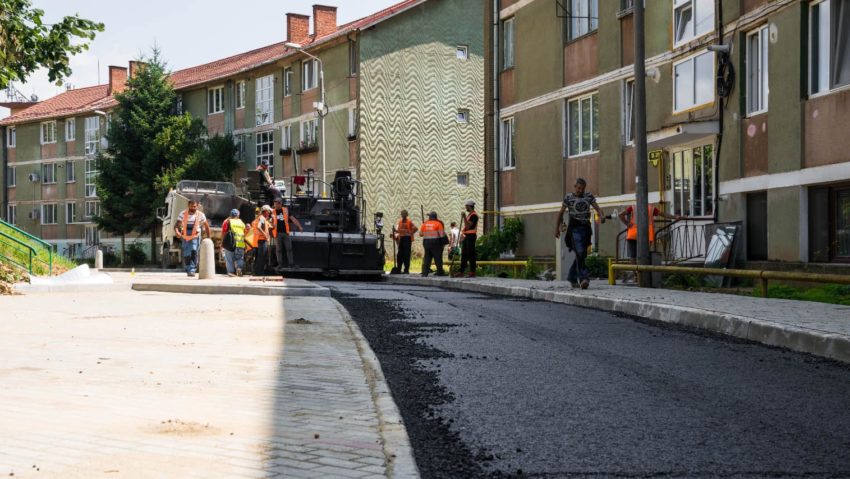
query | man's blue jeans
(234,259)
(190,254)
(581,240)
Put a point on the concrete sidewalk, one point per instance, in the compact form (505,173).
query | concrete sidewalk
(131,384)
(815,328)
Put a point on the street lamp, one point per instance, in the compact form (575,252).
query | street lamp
(321,108)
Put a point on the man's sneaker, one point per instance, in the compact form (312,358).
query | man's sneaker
(190,274)
(239,272)
(584,284)
(574,284)
(230,275)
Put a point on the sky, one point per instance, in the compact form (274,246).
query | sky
(188,32)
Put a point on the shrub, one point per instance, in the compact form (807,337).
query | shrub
(598,265)
(136,255)
(488,247)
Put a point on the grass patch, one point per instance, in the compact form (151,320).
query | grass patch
(825,293)
(19,254)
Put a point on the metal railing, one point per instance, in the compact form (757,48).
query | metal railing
(36,244)
(677,241)
(14,251)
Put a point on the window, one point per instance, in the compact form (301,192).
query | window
(215,100)
(92,134)
(829,45)
(308,133)
(12,214)
(757,85)
(48,173)
(70,129)
(309,75)
(11,176)
(583,125)
(265,149)
(463,179)
(92,235)
(352,122)
(462,52)
(70,212)
(265,94)
(70,174)
(508,153)
(239,142)
(629,112)
(286,135)
(11,137)
(583,18)
(841,222)
(287,82)
(353,67)
(693,181)
(508,44)
(179,104)
(463,116)
(92,209)
(91,176)
(240,94)
(692,19)
(693,82)
(48,132)
(48,213)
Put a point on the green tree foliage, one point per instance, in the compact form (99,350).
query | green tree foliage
(27,43)
(490,246)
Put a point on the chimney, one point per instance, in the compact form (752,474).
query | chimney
(297,27)
(117,80)
(135,66)
(324,20)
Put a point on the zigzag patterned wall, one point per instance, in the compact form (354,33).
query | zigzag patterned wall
(412,86)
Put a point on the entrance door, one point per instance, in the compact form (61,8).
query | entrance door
(757,226)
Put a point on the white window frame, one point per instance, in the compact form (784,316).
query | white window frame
(462,179)
(70,212)
(309,74)
(353,67)
(91,178)
(70,173)
(11,176)
(462,116)
(309,132)
(583,18)
(352,122)
(48,132)
(288,76)
(629,112)
(70,129)
(508,37)
(696,29)
(756,71)
(593,148)
(11,137)
(239,91)
(286,137)
(12,213)
(51,218)
(264,92)
(677,166)
(265,149)
(48,173)
(92,132)
(92,209)
(92,235)
(507,138)
(462,52)
(823,41)
(215,100)
(240,143)
(693,62)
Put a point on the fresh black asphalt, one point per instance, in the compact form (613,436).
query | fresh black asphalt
(492,387)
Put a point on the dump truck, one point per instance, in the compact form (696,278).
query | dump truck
(215,199)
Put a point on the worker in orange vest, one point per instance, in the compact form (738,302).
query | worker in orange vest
(404,231)
(190,222)
(281,231)
(434,237)
(469,234)
(629,218)
(261,233)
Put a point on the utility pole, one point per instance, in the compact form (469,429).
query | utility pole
(642,191)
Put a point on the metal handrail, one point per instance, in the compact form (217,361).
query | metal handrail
(39,241)
(32,252)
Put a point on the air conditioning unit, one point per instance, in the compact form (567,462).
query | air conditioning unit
(34,214)
(33,177)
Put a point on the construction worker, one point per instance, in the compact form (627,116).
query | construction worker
(281,230)
(188,230)
(233,243)
(261,232)
(579,231)
(267,182)
(468,235)
(454,242)
(629,218)
(434,237)
(404,232)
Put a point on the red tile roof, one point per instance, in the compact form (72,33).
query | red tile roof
(88,99)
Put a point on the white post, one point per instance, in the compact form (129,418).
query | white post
(98,259)
(206,260)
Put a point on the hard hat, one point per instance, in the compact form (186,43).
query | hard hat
(234,212)
(470,202)
(267,208)
(432,215)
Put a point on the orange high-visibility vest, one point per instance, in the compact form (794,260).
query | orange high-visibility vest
(632,233)
(195,229)
(285,221)
(405,228)
(432,229)
(468,225)
(260,227)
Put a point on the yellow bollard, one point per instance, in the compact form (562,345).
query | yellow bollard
(612,280)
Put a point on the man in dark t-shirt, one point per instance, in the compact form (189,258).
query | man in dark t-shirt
(579,230)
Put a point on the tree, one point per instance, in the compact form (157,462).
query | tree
(27,43)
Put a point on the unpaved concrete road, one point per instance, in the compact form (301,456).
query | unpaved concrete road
(493,387)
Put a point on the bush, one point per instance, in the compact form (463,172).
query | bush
(598,265)
(136,255)
(490,246)
(532,270)
(682,281)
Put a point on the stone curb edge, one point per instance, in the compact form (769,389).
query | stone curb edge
(811,341)
(397,448)
(232,289)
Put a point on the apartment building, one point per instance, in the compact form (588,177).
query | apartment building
(747,107)
(403,111)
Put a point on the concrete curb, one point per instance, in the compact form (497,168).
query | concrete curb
(796,338)
(397,448)
(26,288)
(188,288)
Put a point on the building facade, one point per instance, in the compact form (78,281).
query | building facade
(403,111)
(746,106)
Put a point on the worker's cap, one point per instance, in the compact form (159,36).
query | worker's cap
(432,215)
(470,203)
(278,200)
(267,208)
(264,162)
(234,212)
